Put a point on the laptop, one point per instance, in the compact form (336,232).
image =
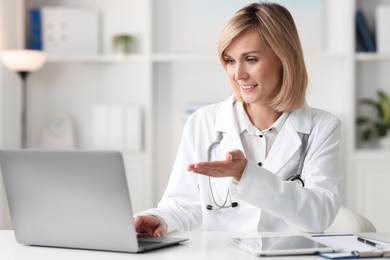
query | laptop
(73,199)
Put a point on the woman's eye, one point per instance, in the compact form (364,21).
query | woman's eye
(229,61)
(252,60)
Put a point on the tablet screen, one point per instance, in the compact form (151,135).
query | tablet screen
(281,245)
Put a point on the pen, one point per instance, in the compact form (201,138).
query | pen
(369,242)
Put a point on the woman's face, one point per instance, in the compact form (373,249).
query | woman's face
(254,68)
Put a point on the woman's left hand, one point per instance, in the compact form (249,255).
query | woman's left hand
(233,166)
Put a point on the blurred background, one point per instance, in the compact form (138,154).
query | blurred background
(125,75)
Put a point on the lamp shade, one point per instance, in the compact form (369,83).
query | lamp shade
(23,60)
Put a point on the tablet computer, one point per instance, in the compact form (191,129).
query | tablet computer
(281,245)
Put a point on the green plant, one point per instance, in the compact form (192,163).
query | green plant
(122,43)
(376,127)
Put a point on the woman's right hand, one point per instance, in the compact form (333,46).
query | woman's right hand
(149,224)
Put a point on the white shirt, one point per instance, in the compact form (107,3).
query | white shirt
(256,143)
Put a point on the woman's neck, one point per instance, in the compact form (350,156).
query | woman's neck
(262,117)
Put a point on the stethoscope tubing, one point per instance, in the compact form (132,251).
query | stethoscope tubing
(296,177)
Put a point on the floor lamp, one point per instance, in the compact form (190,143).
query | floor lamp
(23,62)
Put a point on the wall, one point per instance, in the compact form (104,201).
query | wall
(9,105)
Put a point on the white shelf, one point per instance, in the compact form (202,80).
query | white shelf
(167,57)
(372,57)
(95,58)
(324,55)
(374,153)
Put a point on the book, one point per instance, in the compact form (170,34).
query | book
(363,33)
(58,30)
(35,29)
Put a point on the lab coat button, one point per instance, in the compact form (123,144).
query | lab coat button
(260,164)
(261,136)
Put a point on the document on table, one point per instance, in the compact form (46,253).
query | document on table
(352,247)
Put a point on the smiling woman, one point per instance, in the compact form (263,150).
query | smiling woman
(236,158)
(275,33)
(254,71)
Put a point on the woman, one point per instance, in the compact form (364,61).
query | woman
(236,159)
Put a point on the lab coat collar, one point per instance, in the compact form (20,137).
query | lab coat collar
(300,119)
(244,123)
(224,121)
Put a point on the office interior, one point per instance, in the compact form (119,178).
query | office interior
(132,71)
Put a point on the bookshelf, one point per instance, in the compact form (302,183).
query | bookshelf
(369,164)
(75,83)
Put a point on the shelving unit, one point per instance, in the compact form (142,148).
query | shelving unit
(370,167)
(75,84)
(175,63)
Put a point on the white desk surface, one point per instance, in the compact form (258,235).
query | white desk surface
(202,245)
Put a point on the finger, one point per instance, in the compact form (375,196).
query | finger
(138,223)
(216,166)
(212,172)
(229,156)
(146,224)
(213,164)
(159,231)
(234,155)
(208,173)
(191,167)
(202,165)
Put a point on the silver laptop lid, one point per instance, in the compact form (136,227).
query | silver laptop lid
(75,199)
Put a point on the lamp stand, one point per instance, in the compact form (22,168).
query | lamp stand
(23,75)
(23,62)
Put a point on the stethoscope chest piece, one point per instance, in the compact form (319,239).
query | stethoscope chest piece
(297,179)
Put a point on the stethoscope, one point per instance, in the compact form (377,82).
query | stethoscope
(296,177)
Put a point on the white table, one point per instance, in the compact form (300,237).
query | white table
(202,245)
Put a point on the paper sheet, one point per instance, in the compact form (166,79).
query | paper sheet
(349,243)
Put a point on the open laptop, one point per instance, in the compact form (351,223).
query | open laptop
(72,199)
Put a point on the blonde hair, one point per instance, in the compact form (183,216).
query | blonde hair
(277,30)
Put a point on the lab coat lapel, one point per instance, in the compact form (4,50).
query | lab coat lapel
(231,141)
(285,146)
(227,124)
(289,141)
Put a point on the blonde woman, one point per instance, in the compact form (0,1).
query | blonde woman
(262,160)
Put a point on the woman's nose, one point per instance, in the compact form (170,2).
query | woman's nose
(240,72)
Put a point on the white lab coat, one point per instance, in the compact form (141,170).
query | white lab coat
(266,201)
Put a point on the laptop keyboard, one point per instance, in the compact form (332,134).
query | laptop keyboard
(143,243)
